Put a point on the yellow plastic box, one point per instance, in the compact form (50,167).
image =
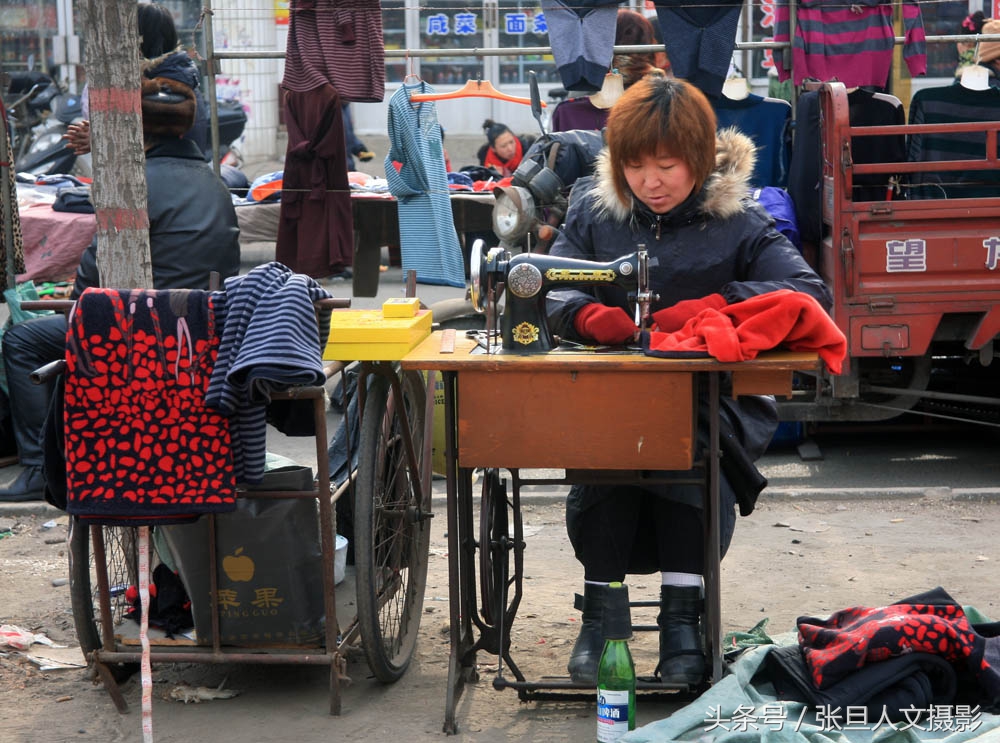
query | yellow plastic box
(367,335)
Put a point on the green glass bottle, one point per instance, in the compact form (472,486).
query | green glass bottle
(616,671)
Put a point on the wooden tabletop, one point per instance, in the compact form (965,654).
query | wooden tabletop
(428,355)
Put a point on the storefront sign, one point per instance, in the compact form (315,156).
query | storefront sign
(464,24)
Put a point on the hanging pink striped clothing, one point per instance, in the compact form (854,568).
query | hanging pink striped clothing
(338,43)
(849,42)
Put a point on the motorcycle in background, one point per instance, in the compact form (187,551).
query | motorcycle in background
(528,214)
(40,113)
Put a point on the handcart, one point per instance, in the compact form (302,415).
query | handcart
(392,511)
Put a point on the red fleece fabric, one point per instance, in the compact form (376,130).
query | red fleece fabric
(673,318)
(609,325)
(738,332)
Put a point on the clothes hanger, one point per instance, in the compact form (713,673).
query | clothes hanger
(736,89)
(410,78)
(611,90)
(473,89)
(975,76)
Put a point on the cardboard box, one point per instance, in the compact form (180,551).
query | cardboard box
(367,335)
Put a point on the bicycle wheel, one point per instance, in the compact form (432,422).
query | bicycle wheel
(391,529)
(123,570)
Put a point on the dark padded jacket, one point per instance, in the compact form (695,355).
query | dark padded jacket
(192,222)
(718,241)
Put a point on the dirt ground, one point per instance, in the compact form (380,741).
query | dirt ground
(792,557)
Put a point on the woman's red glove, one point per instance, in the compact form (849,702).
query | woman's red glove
(608,325)
(673,318)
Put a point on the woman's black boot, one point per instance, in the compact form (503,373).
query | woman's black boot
(682,656)
(590,642)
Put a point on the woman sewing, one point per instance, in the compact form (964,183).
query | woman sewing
(666,180)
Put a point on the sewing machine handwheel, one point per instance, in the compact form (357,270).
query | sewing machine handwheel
(391,531)
(493,550)
(477,272)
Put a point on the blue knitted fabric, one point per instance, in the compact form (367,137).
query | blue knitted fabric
(270,341)
(428,241)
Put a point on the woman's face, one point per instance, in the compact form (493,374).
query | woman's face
(505,145)
(660,182)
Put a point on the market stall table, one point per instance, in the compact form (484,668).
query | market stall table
(376,224)
(589,414)
(53,242)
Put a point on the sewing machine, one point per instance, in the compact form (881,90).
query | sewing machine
(527,278)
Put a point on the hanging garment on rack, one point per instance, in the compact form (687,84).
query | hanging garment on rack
(700,39)
(336,42)
(141,444)
(16,250)
(767,121)
(582,35)
(849,42)
(428,241)
(946,105)
(270,342)
(865,108)
(578,113)
(316,226)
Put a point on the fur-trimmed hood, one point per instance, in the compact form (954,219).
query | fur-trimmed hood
(721,196)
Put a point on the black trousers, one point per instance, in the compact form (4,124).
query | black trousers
(27,346)
(635,531)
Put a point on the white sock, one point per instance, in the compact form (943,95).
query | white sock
(597,582)
(669,578)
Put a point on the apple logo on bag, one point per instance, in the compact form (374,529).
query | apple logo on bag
(238,567)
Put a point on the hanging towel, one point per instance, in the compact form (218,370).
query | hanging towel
(270,341)
(740,331)
(428,241)
(582,35)
(141,445)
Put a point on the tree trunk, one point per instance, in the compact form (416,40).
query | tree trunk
(119,190)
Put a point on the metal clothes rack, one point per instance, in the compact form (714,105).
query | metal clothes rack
(213,57)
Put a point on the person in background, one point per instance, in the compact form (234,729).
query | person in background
(355,147)
(161,57)
(632,29)
(503,149)
(667,180)
(989,51)
(192,232)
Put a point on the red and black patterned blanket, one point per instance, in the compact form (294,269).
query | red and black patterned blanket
(141,447)
(933,623)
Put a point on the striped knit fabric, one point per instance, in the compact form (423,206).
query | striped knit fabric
(946,105)
(700,38)
(336,42)
(428,242)
(270,341)
(849,42)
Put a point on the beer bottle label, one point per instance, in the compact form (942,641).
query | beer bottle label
(612,714)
